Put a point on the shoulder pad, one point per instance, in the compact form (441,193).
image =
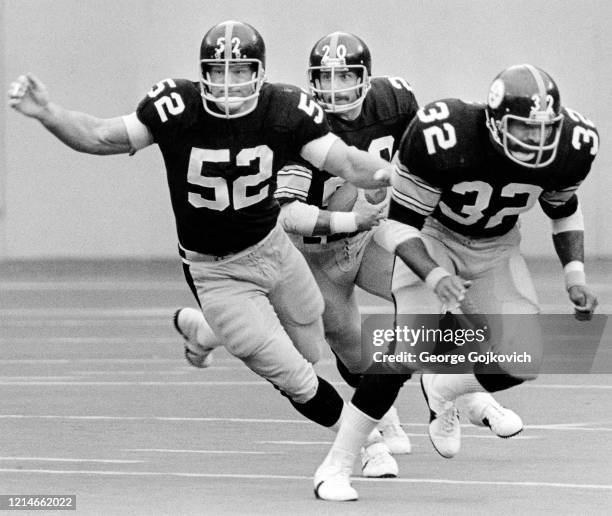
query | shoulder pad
(578,146)
(447,133)
(579,133)
(389,97)
(168,104)
(282,92)
(292,106)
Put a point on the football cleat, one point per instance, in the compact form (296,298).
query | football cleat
(482,409)
(377,462)
(393,434)
(444,427)
(186,322)
(332,482)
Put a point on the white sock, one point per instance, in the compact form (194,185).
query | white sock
(354,430)
(374,436)
(451,386)
(336,426)
(390,417)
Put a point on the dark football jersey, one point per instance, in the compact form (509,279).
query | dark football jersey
(450,169)
(386,111)
(222,172)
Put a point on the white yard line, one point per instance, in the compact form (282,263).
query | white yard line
(578,427)
(228,383)
(165,312)
(463,436)
(63,459)
(219,452)
(78,341)
(497,483)
(110,286)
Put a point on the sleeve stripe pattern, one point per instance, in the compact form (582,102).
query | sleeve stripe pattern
(295,170)
(411,203)
(403,172)
(293,182)
(289,193)
(415,194)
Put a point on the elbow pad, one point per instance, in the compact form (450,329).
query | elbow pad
(298,217)
(391,233)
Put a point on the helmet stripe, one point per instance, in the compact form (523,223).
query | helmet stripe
(229,28)
(333,46)
(537,76)
(333,54)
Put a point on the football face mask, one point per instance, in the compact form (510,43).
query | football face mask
(338,88)
(531,143)
(231,86)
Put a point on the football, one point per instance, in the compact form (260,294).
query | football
(343,199)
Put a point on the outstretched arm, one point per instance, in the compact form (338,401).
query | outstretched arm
(359,167)
(80,131)
(356,166)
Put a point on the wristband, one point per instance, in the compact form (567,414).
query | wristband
(435,276)
(574,274)
(342,222)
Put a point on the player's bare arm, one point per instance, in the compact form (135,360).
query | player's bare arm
(365,218)
(368,215)
(356,166)
(305,219)
(449,288)
(79,131)
(569,246)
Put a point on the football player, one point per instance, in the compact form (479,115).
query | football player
(466,173)
(223,139)
(370,113)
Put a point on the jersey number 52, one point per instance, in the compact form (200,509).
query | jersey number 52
(244,189)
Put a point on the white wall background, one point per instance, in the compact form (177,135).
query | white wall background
(101,56)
